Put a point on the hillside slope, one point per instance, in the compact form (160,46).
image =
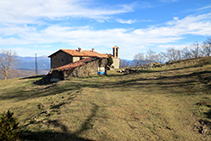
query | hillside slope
(169,103)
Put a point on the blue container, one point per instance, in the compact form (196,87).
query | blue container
(101,72)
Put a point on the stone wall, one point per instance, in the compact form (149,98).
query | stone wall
(57,74)
(89,69)
(116,63)
(51,77)
(60,59)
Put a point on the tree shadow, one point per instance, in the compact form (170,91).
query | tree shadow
(33,77)
(57,106)
(171,82)
(64,135)
(202,80)
(52,136)
(87,124)
(72,86)
(208,114)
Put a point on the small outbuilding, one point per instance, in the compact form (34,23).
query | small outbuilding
(82,68)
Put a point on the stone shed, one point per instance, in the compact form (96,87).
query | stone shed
(82,68)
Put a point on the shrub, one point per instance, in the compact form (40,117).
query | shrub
(110,61)
(8,127)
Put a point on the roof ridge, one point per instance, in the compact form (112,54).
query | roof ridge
(82,53)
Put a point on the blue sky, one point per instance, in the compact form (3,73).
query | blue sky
(45,26)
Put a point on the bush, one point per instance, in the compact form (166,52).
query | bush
(110,61)
(8,127)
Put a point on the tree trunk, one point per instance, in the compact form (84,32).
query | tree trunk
(5,75)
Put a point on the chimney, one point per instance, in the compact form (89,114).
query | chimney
(93,49)
(79,49)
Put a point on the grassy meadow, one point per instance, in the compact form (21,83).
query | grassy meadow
(158,104)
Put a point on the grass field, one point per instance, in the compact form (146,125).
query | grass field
(160,104)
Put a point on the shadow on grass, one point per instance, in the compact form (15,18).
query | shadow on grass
(187,67)
(58,105)
(208,114)
(52,136)
(64,135)
(198,74)
(122,85)
(33,77)
(87,124)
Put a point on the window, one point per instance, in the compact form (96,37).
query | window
(117,53)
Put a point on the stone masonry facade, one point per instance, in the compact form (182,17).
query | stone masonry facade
(86,70)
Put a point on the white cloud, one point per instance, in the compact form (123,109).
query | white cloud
(42,46)
(176,46)
(24,52)
(199,9)
(202,8)
(126,21)
(130,41)
(32,11)
(176,18)
(197,25)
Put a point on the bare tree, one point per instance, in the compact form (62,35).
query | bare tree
(179,54)
(150,56)
(206,47)
(172,54)
(195,50)
(160,58)
(186,54)
(7,60)
(124,63)
(139,59)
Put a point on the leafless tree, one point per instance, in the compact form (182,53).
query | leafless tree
(179,54)
(195,50)
(160,58)
(124,63)
(150,56)
(7,60)
(172,54)
(186,54)
(139,59)
(206,47)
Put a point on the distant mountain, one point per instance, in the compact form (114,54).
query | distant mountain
(28,63)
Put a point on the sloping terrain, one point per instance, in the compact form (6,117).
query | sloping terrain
(169,103)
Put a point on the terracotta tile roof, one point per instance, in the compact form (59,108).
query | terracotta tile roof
(82,53)
(75,64)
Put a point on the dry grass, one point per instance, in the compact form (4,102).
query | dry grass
(160,104)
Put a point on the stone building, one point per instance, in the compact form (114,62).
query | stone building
(82,68)
(66,56)
(66,63)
